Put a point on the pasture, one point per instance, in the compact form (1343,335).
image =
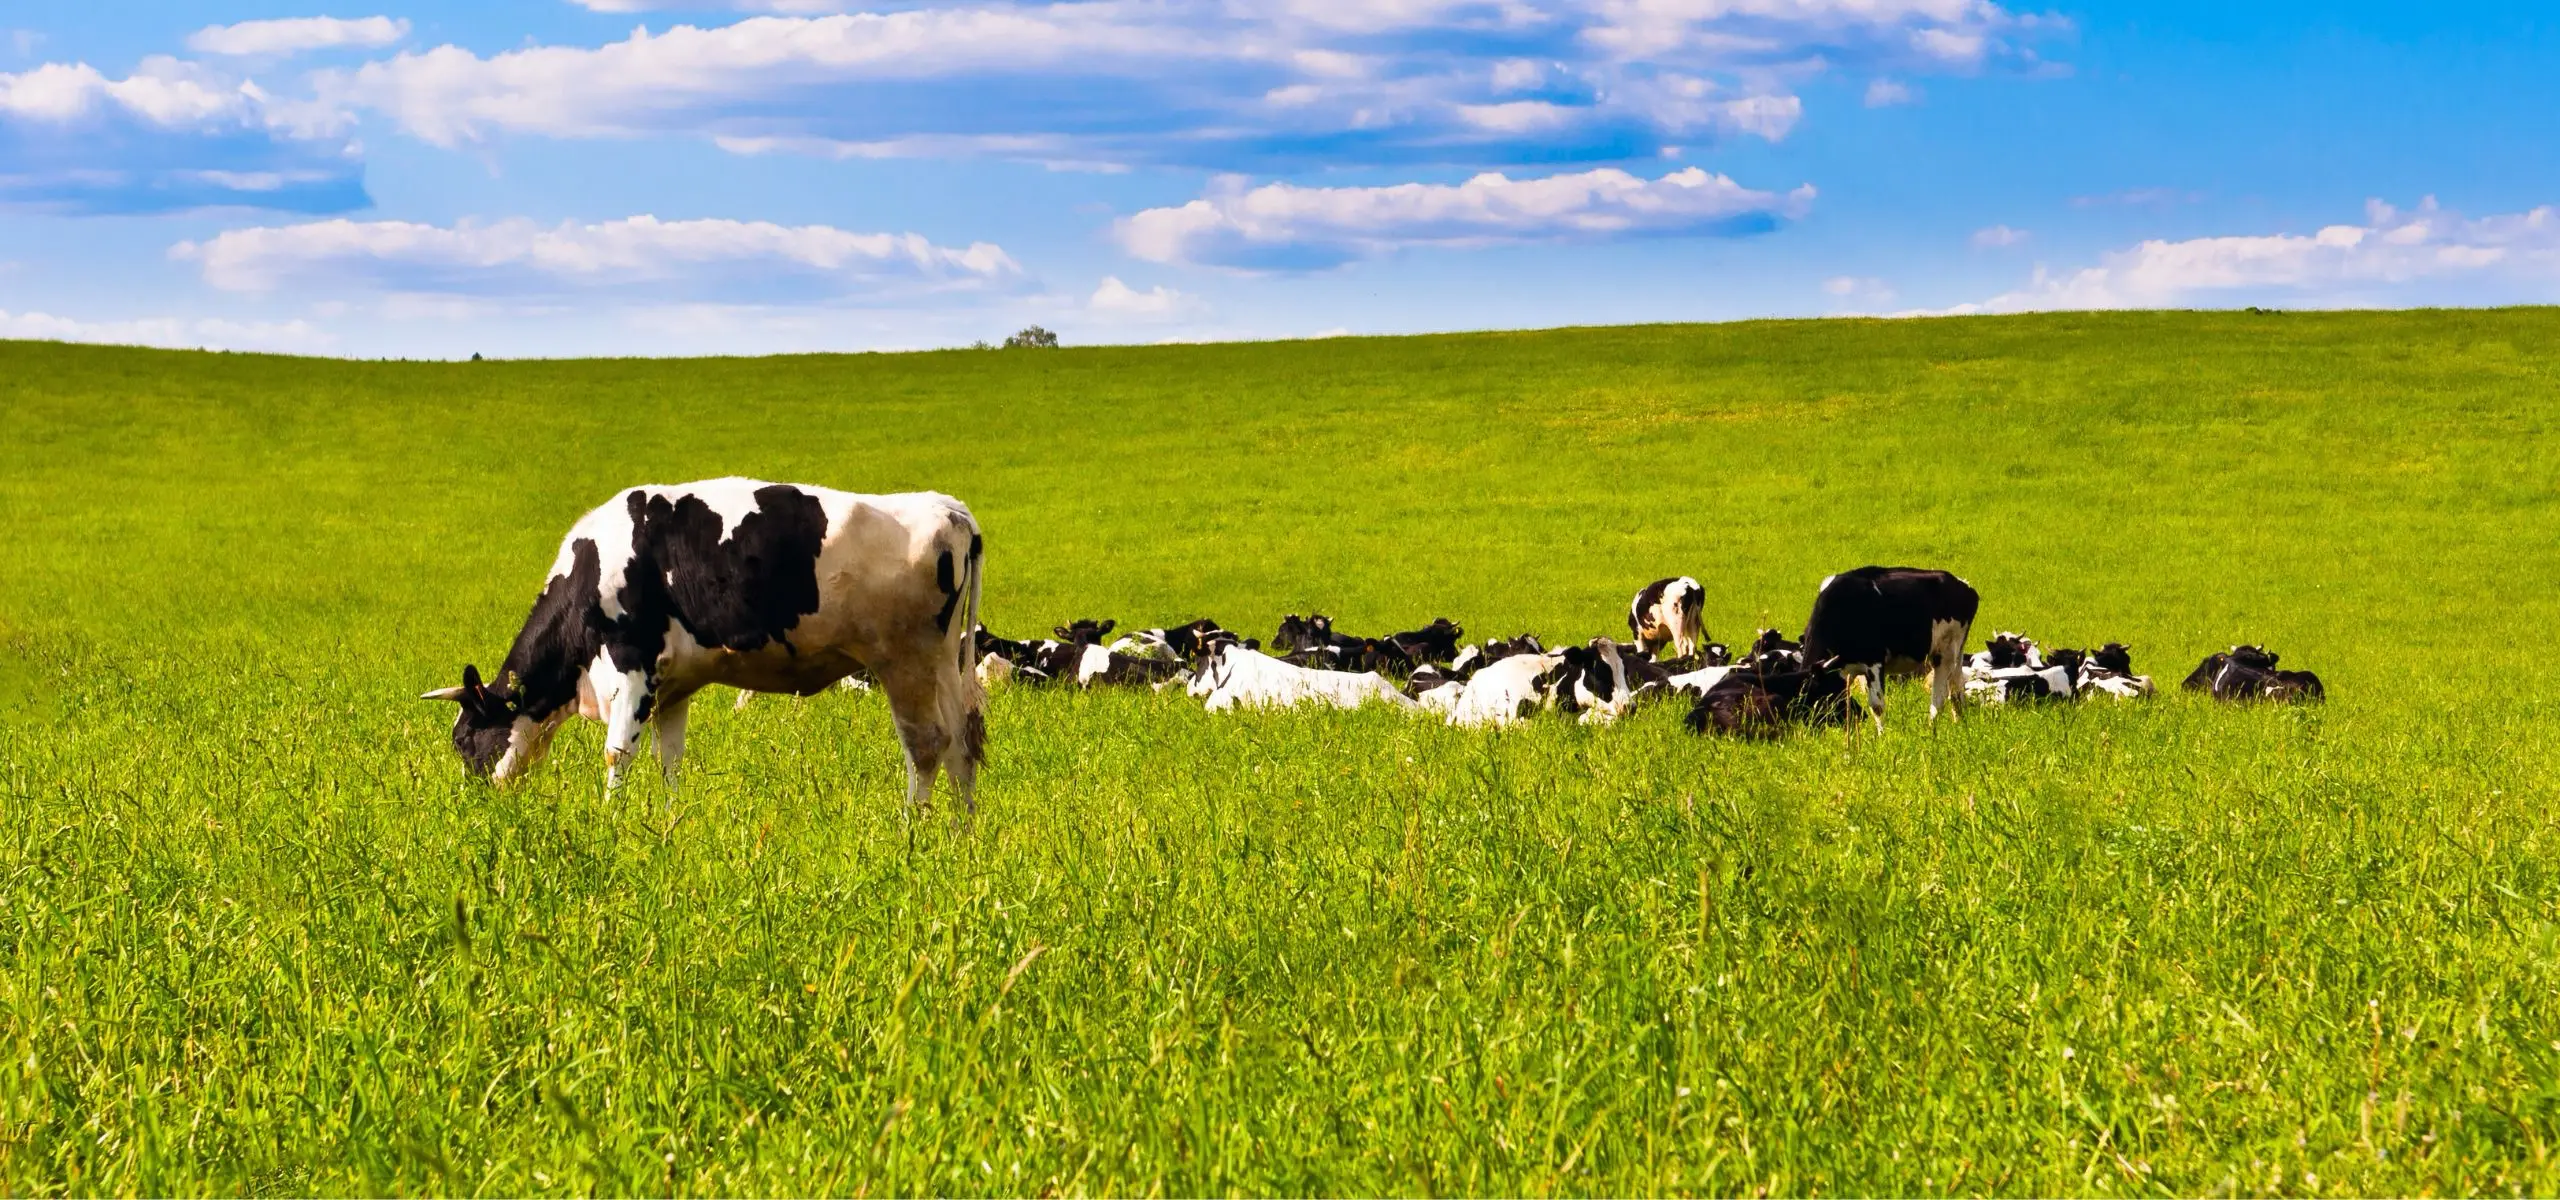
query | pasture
(259,932)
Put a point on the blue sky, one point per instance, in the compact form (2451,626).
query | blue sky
(571,177)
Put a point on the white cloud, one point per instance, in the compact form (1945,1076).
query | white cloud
(2396,257)
(520,257)
(170,135)
(1885,93)
(2145,197)
(180,332)
(1997,236)
(1283,226)
(1860,289)
(1159,303)
(1223,84)
(295,35)
(23,42)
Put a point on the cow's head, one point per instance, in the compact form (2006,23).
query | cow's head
(2114,656)
(2007,650)
(1086,632)
(1716,654)
(2254,656)
(2072,662)
(486,728)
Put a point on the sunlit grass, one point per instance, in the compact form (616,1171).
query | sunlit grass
(261,934)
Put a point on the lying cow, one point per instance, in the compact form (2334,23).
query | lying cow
(2249,673)
(1900,619)
(765,587)
(1190,642)
(1591,682)
(1504,692)
(1239,677)
(1669,612)
(1744,702)
(2109,672)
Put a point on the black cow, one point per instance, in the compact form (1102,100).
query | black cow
(1436,642)
(1903,619)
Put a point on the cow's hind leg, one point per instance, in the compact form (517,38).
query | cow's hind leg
(918,705)
(1946,667)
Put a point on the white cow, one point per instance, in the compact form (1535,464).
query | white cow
(1244,678)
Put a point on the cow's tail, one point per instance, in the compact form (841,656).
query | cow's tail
(973,719)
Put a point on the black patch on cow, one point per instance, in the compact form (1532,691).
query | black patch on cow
(737,593)
(1880,615)
(540,675)
(1086,631)
(943,578)
(2114,656)
(559,639)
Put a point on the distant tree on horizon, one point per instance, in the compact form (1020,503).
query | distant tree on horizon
(1032,337)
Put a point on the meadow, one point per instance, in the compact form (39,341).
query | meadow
(259,932)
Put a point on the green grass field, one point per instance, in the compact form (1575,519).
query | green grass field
(259,933)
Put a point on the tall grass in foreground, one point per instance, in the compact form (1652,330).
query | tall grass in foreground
(258,933)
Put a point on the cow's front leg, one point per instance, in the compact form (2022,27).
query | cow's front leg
(668,722)
(1875,694)
(625,697)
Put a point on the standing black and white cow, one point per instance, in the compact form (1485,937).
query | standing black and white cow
(764,586)
(1669,612)
(1903,619)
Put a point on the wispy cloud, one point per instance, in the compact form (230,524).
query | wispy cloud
(1997,237)
(2147,197)
(2394,258)
(179,332)
(1224,84)
(1282,226)
(296,35)
(1114,299)
(1885,93)
(172,135)
(639,256)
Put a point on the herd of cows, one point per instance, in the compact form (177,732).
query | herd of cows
(1866,624)
(774,587)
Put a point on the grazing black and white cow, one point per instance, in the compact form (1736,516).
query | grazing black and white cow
(1669,612)
(1903,619)
(2249,673)
(766,587)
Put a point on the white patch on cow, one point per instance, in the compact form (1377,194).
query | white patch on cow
(1496,694)
(1442,699)
(2112,683)
(1095,661)
(1696,683)
(994,669)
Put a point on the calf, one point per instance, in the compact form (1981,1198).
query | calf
(2005,651)
(1669,612)
(1190,642)
(768,587)
(1471,659)
(1903,619)
(1239,677)
(1436,642)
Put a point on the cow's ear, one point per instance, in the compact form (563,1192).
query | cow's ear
(1108,624)
(470,694)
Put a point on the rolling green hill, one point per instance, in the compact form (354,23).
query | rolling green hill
(258,932)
